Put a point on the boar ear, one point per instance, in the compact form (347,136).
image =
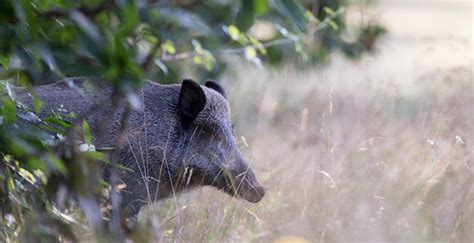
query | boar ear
(191,98)
(215,86)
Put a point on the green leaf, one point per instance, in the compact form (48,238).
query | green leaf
(168,46)
(27,175)
(246,15)
(183,18)
(329,11)
(257,44)
(58,164)
(57,121)
(208,59)
(98,156)
(260,7)
(333,25)
(250,53)
(294,11)
(197,59)
(130,17)
(43,5)
(310,17)
(104,158)
(125,168)
(233,32)
(9,111)
(37,104)
(5,61)
(87,26)
(87,132)
(36,163)
(203,56)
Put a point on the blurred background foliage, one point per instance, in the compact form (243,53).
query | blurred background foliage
(125,42)
(44,40)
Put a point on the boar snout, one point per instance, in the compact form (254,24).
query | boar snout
(249,188)
(241,182)
(254,194)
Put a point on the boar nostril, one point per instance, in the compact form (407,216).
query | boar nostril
(260,192)
(255,194)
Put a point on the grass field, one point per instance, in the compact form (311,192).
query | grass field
(380,149)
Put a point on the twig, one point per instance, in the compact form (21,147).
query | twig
(148,60)
(115,222)
(187,55)
(191,54)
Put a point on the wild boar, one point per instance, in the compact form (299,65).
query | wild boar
(180,137)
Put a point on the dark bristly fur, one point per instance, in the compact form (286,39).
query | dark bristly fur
(180,138)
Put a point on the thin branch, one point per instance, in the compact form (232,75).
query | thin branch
(115,222)
(148,60)
(90,12)
(191,54)
(188,55)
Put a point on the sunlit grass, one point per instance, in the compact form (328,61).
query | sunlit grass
(340,164)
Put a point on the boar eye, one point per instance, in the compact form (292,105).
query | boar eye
(206,130)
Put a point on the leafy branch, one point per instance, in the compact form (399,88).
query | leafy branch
(291,39)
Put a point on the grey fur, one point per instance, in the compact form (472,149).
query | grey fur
(167,152)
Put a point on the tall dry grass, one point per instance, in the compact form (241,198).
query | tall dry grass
(376,150)
(343,163)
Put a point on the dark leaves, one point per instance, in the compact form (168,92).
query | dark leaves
(246,15)
(294,11)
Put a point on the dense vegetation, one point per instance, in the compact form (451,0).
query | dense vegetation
(125,42)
